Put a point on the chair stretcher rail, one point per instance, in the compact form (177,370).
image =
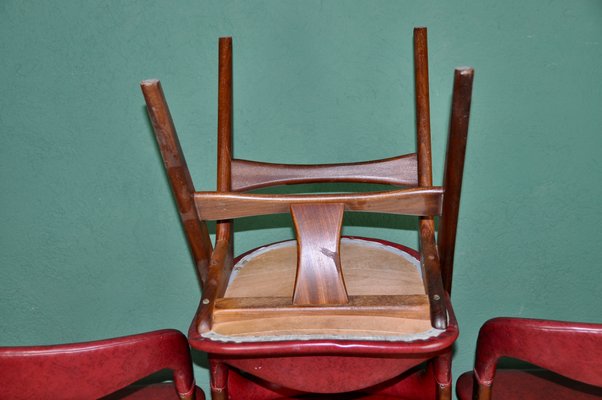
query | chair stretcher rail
(228,205)
(248,175)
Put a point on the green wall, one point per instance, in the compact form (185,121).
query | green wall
(91,245)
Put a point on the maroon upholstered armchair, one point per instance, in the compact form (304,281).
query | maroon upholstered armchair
(94,369)
(570,352)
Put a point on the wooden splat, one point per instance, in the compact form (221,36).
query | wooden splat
(319,279)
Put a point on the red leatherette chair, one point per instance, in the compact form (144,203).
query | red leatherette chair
(323,314)
(91,370)
(570,352)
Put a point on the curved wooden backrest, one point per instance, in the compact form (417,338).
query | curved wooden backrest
(94,369)
(249,175)
(567,348)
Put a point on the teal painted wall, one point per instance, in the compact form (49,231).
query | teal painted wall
(91,246)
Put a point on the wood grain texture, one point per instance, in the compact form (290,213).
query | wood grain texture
(423,114)
(430,259)
(454,169)
(377,276)
(215,206)
(319,279)
(356,304)
(224,129)
(248,175)
(322,325)
(369,269)
(178,175)
(363,315)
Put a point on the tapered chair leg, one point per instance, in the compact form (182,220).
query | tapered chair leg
(219,380)
(442,369)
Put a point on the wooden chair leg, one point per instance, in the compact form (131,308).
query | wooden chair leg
(454,167)
(179,175)
(444,392)
(219,380)
(224,130)
(481,391)
(443,379)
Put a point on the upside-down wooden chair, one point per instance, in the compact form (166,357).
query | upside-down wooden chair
(570,352)
(323,314)
(91,370)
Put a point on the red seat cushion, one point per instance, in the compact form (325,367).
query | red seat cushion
(530,385)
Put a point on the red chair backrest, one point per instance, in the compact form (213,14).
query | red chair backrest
(568,348)
(94,369)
